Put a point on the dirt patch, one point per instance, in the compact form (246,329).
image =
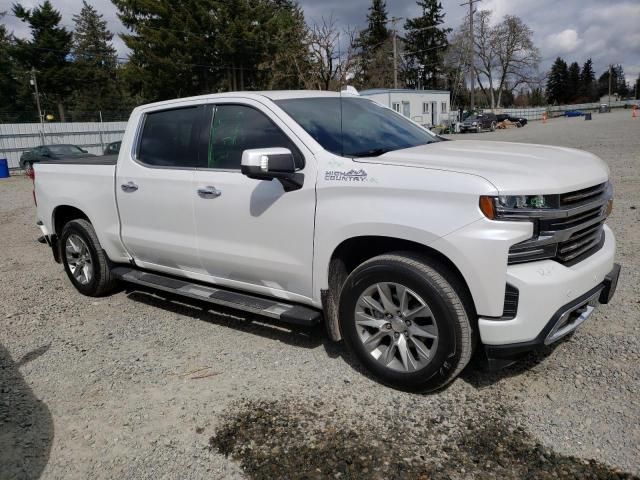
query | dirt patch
(274,439)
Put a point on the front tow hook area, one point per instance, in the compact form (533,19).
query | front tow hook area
(566,320)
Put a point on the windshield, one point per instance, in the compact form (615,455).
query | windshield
(64,149)
(368,129)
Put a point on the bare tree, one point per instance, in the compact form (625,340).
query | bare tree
(505,56)
(332,52)
(516,54)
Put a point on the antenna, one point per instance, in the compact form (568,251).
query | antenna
(340,59)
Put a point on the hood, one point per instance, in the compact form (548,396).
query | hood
(513,168)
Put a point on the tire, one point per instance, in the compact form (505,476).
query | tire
(478,129)
(423,279)
(90,254)
(493,126)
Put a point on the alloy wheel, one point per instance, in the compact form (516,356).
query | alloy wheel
(78,259)
(396,327)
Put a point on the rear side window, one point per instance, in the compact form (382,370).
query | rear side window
(170,138)
(236,128)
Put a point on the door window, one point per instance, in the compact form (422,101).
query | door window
(236,128)
(170,138)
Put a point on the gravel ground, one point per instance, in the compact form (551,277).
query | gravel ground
(139,386)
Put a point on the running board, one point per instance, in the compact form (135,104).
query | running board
(296,314)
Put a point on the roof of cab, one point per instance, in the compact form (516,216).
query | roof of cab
(271,94)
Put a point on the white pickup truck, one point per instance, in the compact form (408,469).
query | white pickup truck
(314,206)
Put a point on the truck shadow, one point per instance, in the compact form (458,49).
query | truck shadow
(478,373)
(230,318)
(26,425)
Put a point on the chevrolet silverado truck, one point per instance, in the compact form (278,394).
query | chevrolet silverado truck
(312,207)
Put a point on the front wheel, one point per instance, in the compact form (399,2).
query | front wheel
(405,322)
(84,260)
(493,126)
(478,129)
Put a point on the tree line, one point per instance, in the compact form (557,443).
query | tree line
(572,84)
(192,47)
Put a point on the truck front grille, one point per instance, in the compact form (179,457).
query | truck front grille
(581,244)
(570,233)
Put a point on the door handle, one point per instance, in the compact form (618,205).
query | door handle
(129,187)
(209,192)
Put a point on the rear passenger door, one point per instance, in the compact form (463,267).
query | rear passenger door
(252,234)
(154,190)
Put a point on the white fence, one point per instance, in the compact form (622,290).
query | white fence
(16,138)
(535,113)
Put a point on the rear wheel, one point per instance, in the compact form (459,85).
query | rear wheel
(85,262)
(405,322)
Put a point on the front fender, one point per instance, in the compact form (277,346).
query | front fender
(415,204)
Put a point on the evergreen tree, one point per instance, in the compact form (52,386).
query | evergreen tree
(587,81)
(94,68)
(618,82)
(8,81)
(375,47)
(557,83)
(201,46)
(425,44)
(573,82)
(47,52)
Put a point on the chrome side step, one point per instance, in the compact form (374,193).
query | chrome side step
(295,314)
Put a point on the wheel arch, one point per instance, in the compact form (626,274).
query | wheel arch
(353,251)
(63,214)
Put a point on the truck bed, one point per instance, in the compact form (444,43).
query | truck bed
(87,184)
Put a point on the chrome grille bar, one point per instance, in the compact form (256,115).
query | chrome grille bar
(570,232)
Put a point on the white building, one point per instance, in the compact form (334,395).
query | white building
(426,107)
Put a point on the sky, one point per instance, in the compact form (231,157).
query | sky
(607,31)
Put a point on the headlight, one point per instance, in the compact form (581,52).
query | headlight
(527,201)
(516,206)
(474,123)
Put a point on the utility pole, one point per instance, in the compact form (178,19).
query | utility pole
(609,85)
(394,20)
(34,82)
(471,60)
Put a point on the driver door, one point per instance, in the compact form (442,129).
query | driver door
(251,234)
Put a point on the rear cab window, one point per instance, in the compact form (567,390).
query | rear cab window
(170,138)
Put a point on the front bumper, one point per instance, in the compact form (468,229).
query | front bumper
(544,288)
(564,320)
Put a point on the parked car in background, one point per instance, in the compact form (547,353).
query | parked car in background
(519,121)
(573,113)
(51,152)
(479,122)
(113,148)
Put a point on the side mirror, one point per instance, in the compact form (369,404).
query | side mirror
(84,151)
(270,163)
